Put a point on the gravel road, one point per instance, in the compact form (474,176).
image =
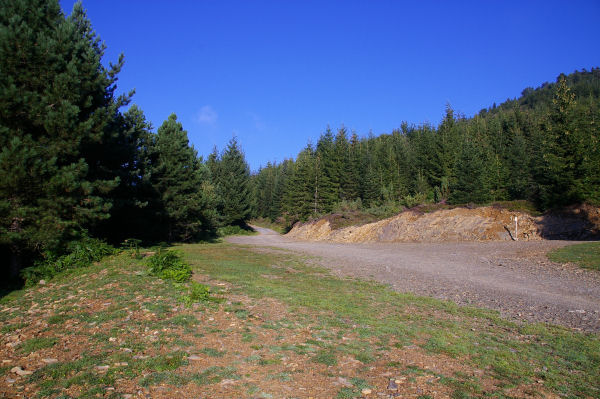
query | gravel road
(515,278)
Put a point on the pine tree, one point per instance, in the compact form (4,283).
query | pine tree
(352,178)
(302,188)
(446,148)
(559,185)
(370,190)
(327,170)
(181,179)
(472,182)
(588,122)
(234,185)
(517,159)
(136,203)
(57,106)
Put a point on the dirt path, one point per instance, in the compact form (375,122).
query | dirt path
(515,278)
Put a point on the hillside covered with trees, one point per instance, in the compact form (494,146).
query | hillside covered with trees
(78,161)
(542,147)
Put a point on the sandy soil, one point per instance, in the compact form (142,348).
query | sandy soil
(515,278)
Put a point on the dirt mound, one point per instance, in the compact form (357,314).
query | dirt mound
(461,224)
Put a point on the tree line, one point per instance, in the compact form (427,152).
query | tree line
(74,164)
(542,147)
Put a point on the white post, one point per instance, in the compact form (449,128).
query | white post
(516,228)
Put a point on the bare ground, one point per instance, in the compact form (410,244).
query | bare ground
(515,278)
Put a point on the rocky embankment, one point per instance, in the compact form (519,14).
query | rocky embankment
(460,224)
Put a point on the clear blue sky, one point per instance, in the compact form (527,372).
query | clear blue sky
(276,73)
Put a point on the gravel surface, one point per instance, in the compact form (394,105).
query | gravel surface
(515,278)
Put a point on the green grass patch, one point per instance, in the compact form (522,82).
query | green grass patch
(164,377)
(586,255)
(214,375)
(58,318)
(36,344)
(326,357)
(212,352)
(12,327)
(167,362)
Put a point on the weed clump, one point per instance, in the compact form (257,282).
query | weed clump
(198,293)
(168,265)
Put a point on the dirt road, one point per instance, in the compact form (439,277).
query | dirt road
(515,278)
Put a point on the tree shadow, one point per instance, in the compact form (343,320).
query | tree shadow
(576,223)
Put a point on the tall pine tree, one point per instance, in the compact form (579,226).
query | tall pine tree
(234,186)
(57,107)
(181,179)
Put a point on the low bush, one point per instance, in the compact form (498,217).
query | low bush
(132,245)
(199,293)
(79,254)
(168,265)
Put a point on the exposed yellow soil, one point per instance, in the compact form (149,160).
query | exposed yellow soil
(460,224)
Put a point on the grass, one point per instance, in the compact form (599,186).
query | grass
(585,255)
(122,317)
(564,360)
(212,352)
(36,344)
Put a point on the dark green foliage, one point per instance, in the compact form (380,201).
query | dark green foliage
(79,254)
(136,203)
(168,265)
(57,111)
(233,185)
(472,183)
(183,183)
(301,195)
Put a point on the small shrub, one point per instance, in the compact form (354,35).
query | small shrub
(133,246)
(411,201)
(168,265)
(79,254)
(199,293)
(348,206)
(385,210)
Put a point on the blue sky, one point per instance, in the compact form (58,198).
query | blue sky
(276,73)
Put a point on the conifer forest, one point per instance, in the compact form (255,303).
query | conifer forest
(79,162)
